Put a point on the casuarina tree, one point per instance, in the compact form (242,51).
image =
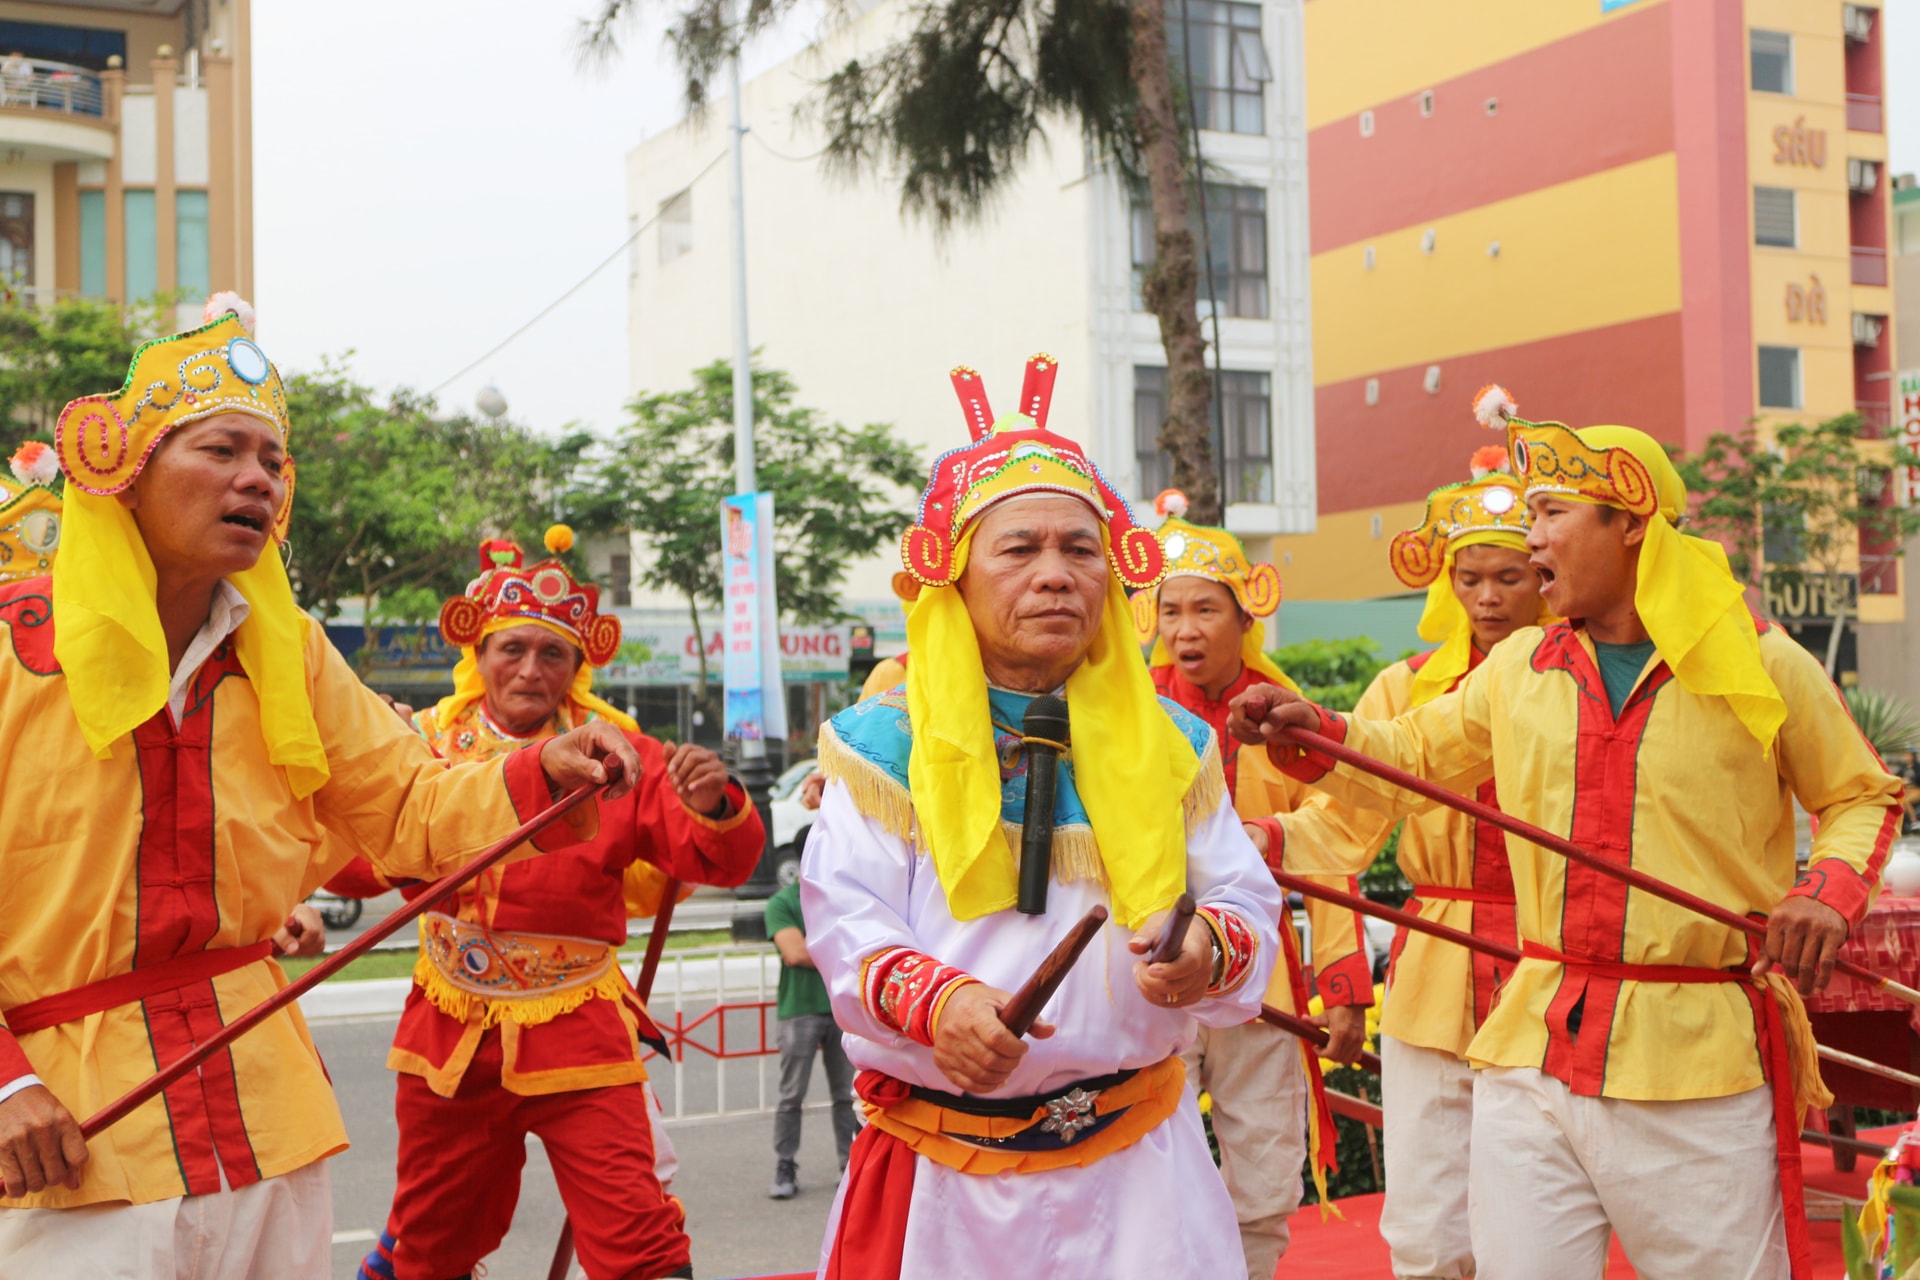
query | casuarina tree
(955,104)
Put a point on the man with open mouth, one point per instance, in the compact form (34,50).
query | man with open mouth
(186,758)
(1645,1070)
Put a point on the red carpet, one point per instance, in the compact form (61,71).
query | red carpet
(1353,1250)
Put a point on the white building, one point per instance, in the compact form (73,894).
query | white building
(868,311)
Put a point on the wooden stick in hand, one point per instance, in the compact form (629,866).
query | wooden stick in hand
(1173,933)
(1033,995)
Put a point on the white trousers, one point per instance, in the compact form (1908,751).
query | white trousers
(1691,1188)
(1259,1089)
(276,1229)
(1428,1113)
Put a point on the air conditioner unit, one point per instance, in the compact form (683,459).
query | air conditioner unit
(1857,19)
(1867,329)
(1863,175)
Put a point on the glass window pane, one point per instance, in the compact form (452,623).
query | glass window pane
(191,256)
(1149,414)
(16,239)
(1772,58)
(1773,217)
(93,243)
(1780,377)
(143,264)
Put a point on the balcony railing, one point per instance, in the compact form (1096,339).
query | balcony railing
(1879,574)
(1869,265)
(1877,415)
(1863,113)
(49,86)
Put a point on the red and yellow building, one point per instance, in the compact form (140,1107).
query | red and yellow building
(1669,213)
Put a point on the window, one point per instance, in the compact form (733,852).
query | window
(1783,534)
(1245,408)
(93,243)
(1149,413)
(16,240)
(1780,377)
(143,265)
(620,571)
(1771,53)
(676,226)
(192,259)
(1226,59)
(1773,220)
(1236,238)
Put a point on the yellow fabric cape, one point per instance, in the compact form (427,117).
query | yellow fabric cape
(468,688)
(1692,606)
(108,639)
(1444,621)
(1132,765)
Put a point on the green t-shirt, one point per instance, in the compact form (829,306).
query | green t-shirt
(802,989)
(1620,668)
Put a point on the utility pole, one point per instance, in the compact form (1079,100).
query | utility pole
(750,754)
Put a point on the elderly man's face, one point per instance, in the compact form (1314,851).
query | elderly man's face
(205,502)
(1035,584)
(527,671)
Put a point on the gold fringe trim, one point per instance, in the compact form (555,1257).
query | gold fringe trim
(1209,787)
(526,1012)
(875,792)
(1076,854)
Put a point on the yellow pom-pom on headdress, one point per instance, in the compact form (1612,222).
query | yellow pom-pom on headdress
(559,539)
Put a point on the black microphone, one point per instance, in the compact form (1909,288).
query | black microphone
(1044,730)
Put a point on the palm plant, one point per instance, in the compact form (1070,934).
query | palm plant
(1885,721)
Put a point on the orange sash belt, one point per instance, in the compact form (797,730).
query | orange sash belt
(1774,1054)
(136,984)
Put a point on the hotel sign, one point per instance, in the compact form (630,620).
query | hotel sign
(1906,406)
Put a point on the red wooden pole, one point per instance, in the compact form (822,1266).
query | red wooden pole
(1310,741)
(1405,919)
(1311,1034)
(118,1110)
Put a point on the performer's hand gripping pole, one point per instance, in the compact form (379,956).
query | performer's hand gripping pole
(124,1106)
(1500,951)
(1316,1036)
(1025,1006)
(1044,734)
(1173,932)
(1307,740)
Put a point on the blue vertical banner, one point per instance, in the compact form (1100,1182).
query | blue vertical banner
(756,705)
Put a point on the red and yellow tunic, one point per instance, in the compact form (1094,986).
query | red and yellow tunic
(1676,786)
(186,849)
(1441,992)
(543,937)
(1259,790)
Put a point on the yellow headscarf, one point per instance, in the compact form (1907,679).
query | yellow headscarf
(1133,767)
(1444,620)
(108,640)
(468,688)
(1685,593)
(1202,551)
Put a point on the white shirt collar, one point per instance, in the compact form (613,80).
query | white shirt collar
(229,610)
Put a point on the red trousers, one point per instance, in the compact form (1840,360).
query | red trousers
(459,1175)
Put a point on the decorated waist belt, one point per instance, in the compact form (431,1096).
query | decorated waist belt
(1077,1125)
(524,978)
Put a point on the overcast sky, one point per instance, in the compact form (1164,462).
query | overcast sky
(430,174)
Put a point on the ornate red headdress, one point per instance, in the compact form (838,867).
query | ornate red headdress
(1014,455)
(509,594)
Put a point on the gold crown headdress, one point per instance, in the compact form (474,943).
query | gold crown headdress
(30,514)
(1200,551)
(1490,504)
(105,440)
(1550,457)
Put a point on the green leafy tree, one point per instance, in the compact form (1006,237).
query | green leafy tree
(838,492)
(391,501)
(1792,507)
(955,105)
(76,347)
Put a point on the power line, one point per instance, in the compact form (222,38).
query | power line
(580,284)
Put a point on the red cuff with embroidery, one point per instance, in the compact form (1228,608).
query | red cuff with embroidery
(1833,882)
(1309,766)
(527,787)
(13,1059)
(906,989)
(1348,981)
(1238,947)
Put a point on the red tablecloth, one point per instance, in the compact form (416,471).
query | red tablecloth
(1887,942)
(1859,1019)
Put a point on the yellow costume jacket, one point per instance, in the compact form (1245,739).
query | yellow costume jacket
(186,841)
(1678,787)
(1439,992)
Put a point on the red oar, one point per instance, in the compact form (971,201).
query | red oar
(1310,741)
(118,1110)
(656,944)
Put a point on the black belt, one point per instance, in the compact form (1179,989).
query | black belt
(1070,1112)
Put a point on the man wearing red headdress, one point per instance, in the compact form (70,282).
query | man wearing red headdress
(520,1020)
